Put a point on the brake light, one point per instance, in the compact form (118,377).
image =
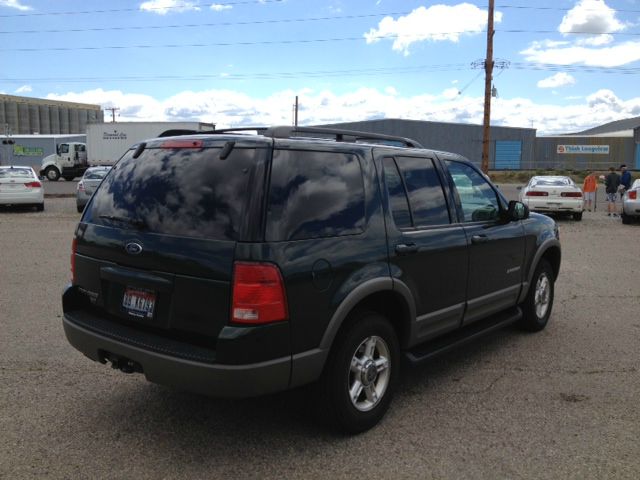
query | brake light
(633,194)
(74,245)
(531,193)
(258,294)
(33,185)
(182,144)
(80,186)
(571,194)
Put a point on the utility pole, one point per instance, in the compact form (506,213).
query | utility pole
(113,111)
(295,113)
(488,69)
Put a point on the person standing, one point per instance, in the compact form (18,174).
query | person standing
(625,178)
(612,182)
(589,188)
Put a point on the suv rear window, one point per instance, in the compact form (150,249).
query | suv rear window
(185,192)
(314,194)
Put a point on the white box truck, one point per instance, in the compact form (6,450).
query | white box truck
(107,142)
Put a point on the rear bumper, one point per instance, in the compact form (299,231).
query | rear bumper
(22,198)
(556,206)
(196,374)
(631,208)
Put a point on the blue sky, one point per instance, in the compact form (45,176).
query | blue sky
(572,64)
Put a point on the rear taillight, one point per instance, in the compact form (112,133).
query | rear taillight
(633,194)
(74,244)
(537,194)
(258,294)
(80,186)
(33,185)
(182,144)
(571,194)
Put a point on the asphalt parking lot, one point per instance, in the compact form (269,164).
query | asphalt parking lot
(563,403)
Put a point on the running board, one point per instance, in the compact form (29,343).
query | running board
(438,346)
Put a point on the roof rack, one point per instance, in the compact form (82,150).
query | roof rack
(339,134)
(292,132)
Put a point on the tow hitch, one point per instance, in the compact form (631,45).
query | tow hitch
(121,363)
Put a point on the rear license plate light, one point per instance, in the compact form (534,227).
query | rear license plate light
(139,303)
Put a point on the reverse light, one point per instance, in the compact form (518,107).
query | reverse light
(531,193)
(571,194)
(258,294)
(33,185)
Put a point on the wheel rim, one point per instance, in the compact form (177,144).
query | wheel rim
(369,373)
(543,295)
(51,175)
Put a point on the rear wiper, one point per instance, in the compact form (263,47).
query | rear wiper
(130,221)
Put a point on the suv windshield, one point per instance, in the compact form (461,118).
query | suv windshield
(185,192)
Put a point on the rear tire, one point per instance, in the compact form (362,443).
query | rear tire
(52,174)
(40,207)
(626,219)
(577,216)
(536,308)
(360,377)
(80,209)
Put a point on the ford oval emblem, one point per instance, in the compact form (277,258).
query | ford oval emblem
(133,248)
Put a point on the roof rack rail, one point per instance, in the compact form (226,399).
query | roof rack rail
(339,134)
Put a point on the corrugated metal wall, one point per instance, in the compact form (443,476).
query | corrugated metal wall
(508,155)
(621,150)
(458,138)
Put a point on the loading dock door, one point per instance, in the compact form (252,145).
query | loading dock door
(508,155)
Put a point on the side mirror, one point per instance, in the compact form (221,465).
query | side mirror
(517,211)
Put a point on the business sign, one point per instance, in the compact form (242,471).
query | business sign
(115,135)
(584,149)
(22,151)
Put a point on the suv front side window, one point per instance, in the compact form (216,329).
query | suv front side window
(478,200)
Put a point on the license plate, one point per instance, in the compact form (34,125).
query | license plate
(139,303)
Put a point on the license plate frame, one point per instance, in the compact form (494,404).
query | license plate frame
(139,302)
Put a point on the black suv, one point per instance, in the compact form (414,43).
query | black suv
(236,264)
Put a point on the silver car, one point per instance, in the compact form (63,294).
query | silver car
(631,203)
(90,181)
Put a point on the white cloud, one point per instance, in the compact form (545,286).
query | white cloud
(450,93)
(15,4)
(613,56)
(436,23)
(162,7)
(232,108)
(591,16)
(558,80)
(218,7)
(24,89)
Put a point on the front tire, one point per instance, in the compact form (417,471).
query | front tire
(361,374)
(536,308)
(52,174)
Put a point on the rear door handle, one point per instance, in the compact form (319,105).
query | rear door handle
(479,239)
(406,248)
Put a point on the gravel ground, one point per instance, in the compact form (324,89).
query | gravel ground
(562,403)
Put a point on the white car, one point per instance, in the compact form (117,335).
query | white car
(20,186)
(553,194)
(631,203)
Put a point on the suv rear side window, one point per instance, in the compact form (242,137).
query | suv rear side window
(185,192)
(426,197)
(314,194)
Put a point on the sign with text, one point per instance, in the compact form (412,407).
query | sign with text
(584,149)
(22,151)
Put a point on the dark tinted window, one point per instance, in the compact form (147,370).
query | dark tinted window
(185,192)
(397,195)
(314,194)
(428,204)
(478,200)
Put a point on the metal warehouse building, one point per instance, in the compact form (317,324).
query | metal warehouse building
(27,116)
(510,148)
(598,148)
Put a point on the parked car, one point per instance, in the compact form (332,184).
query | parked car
(631,203)
(553,194)
(238,265)
(87,185)
(20,186)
